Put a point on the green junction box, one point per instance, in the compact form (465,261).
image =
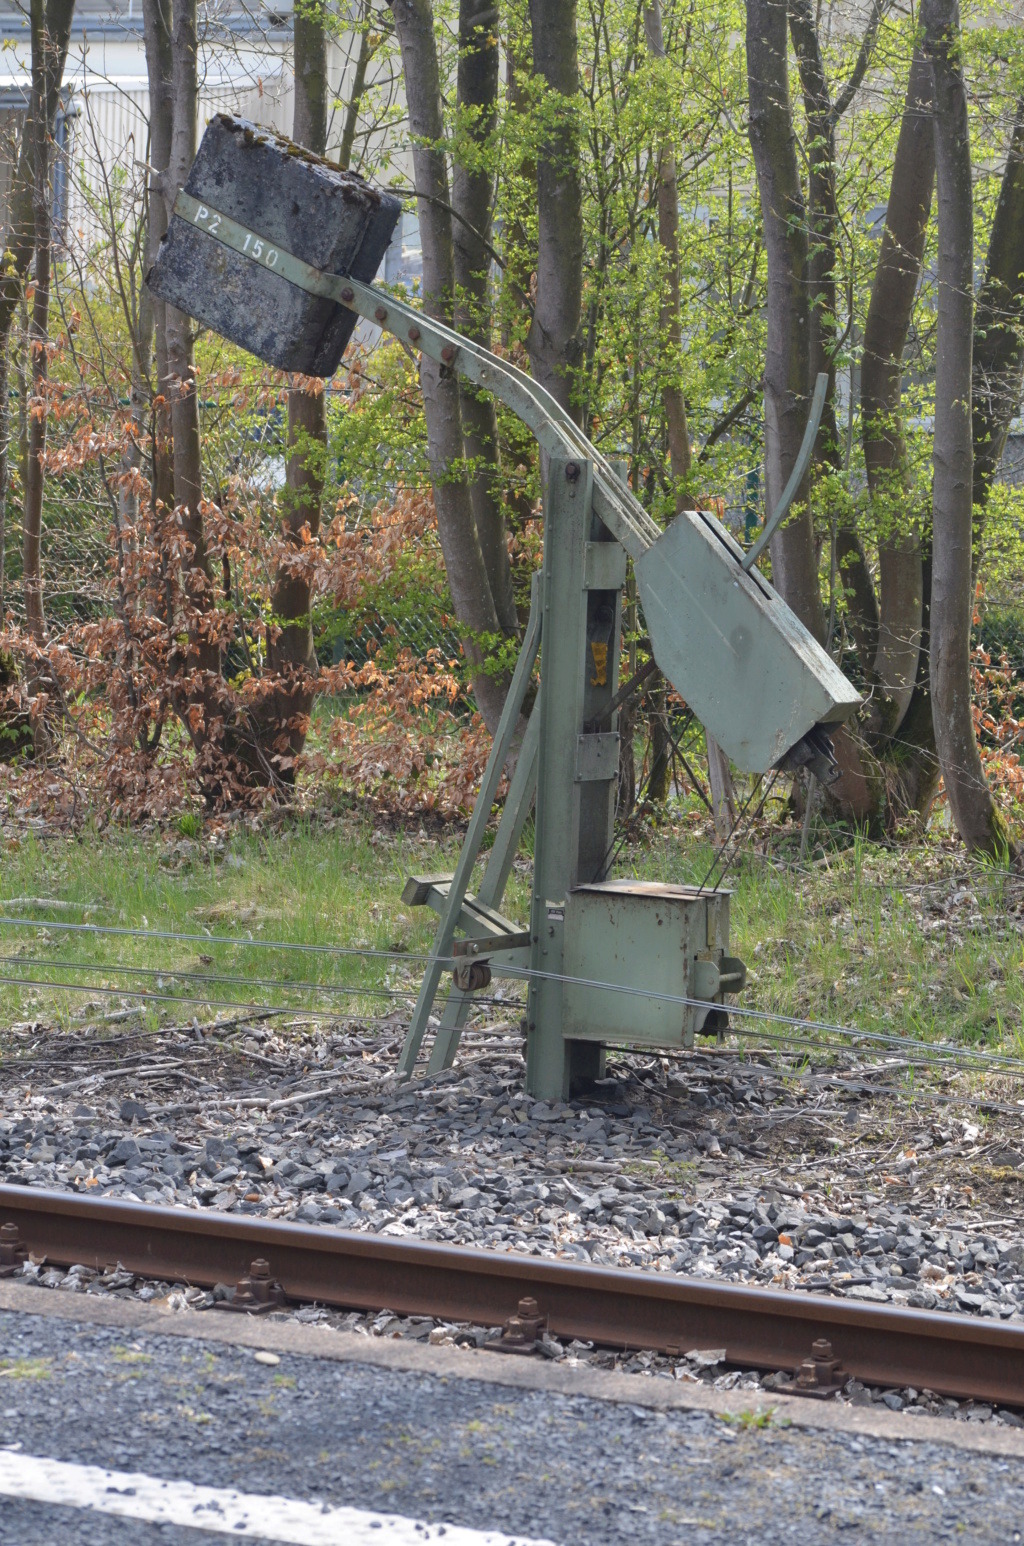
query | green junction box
(677,935)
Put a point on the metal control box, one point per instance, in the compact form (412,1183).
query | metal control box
(645,938)
(729,644)
(283,194)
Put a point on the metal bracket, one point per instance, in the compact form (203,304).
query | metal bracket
(497,944)
(255,1294)
(13,1254)
(597,757)
(521,1332)
(604,566)
(819,1376)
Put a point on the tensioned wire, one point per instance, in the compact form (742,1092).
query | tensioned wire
(217,939)
(282,984)
(931,1052)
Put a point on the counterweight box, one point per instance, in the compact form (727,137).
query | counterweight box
(646,939)
(332,219)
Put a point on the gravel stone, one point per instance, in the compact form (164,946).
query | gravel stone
(750,1168)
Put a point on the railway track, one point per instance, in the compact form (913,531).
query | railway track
(828,1340)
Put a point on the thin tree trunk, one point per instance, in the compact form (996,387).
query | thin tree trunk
(50,31)
(519,177)
(890,311)
(787,352)
(823,115)
(351,119)
(999,330)
(44,97)
(32,516)
(673,401)
(460,543)
(555,339)
(180,386)
(307,409)
(974,812)
(156,16)
(283,715)
(822,218)
(5,441)
(911,761)
(473,203)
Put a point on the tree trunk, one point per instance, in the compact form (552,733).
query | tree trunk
(5,441)
(180,385)
(473,203)
(890,309)
(673,401)
(555,339)
(460,542)
(156,16)
(787,352)
(284,713)
(822,219)
(977,819)
(351,118)
(999,329)
(32,499)
(822,115)
(50,31)
(32,516)
(911,761)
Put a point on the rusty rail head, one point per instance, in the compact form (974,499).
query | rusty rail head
(955,1355)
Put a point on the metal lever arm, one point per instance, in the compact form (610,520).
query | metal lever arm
(553,428)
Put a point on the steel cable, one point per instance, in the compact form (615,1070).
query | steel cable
(929,1051)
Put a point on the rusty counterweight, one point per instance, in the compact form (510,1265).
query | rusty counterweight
(955,1355)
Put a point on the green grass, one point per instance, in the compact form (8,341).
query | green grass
(852,939)
(341,886)
(25,1368)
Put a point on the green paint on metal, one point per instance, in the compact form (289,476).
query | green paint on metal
(458,887)
(725,640)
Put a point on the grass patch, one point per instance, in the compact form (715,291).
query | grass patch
(912,942)
(750,1421)
(129,1355)
(297,887)
(25,1368)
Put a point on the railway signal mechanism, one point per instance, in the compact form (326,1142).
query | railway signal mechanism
(274,249)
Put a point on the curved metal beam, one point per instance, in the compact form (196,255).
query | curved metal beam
(796,477)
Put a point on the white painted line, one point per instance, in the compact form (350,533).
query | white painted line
(134,1495)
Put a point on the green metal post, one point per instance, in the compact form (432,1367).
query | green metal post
(599,796)
(568,512)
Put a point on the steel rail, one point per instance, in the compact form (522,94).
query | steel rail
(954,1355)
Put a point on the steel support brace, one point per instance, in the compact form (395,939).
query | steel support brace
(504,738)
(518,803)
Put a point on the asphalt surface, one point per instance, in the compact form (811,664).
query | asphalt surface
(578,1471)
